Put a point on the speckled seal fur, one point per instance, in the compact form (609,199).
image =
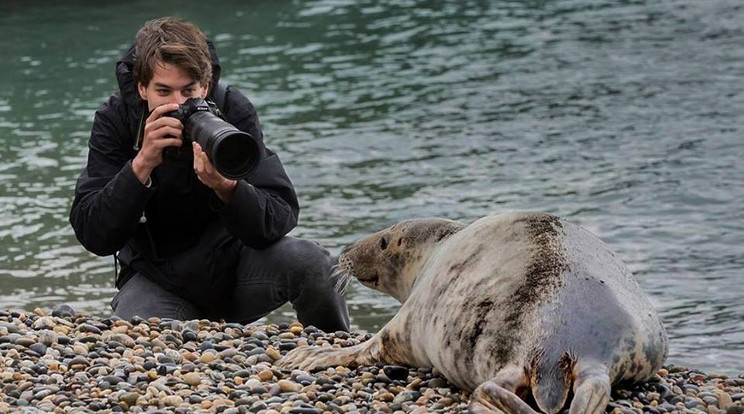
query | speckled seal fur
(525,309)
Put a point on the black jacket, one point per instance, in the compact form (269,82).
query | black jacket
(113,212)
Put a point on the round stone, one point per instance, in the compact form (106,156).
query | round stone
(192,378)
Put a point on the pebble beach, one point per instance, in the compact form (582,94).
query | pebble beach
(64,362)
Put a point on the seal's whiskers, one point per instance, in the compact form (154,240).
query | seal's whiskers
(341,278)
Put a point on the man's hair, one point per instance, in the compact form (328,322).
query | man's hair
(172,41)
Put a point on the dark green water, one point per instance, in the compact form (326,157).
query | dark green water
(623,116)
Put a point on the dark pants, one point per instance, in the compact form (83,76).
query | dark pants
(291,270)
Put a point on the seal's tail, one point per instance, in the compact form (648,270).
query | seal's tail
(590,381)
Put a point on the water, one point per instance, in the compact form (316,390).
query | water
(623,116)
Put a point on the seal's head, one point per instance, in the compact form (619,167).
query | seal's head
(390,260)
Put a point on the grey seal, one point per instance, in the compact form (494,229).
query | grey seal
(516,307)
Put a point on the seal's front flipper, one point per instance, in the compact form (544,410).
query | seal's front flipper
(500,394)
(308,358)
(591,389)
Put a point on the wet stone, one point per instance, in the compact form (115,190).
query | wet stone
(406,396)
(228,353)
(166,360)
(242,373)
(710,401)
(257,351)
(305,379)
(693,403)
(676,398)
(23,341)
(189,335)
(130,398)
(395,372)
(438,383)
(63,311)
(260,336)
(86,327)
(650,409)
(303,410)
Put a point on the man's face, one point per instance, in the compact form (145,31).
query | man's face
(170,84)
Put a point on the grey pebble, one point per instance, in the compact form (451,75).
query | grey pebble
(38,347)
(438,383)
(86,327)
(189,335)
(693,403)
(406,396)
(63,310)
(243,373)
(23,341)
(711,401)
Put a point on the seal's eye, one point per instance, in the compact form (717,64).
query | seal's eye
(383,243)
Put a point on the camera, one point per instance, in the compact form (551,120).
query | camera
(234,153)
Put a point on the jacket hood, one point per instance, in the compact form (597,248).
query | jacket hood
(125,75)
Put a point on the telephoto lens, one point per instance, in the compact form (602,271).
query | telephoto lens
(234,153)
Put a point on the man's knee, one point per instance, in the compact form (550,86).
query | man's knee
(301,271)
(303,259)
(141,297)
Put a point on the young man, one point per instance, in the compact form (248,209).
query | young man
(192,243)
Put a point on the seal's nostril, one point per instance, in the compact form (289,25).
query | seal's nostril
(383,243)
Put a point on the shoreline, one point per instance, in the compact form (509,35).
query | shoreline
(71,363)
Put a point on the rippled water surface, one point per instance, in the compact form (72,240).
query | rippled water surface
(623,116)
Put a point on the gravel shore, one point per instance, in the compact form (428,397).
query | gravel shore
(64,362)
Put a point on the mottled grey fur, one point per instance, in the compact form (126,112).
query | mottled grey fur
(510,306)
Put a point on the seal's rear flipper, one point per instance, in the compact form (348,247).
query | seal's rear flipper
(591,388)
(551,375)
(500,394)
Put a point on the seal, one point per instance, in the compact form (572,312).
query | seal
(516,307)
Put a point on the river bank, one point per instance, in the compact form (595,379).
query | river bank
(64,362)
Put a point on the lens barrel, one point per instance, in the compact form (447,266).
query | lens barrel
(234,153)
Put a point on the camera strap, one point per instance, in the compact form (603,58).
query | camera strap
(141,129)
(220,95)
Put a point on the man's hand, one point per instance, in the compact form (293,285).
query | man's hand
(160,132)
(207,174)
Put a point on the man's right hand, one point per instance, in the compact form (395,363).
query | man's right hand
(160,132)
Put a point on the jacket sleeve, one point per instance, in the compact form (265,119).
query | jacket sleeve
(264,207)
(109,199)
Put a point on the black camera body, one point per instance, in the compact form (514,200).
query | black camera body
(234,153)
(190,107)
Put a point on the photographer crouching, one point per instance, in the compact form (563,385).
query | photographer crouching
(186,196)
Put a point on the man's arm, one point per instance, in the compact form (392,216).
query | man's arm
(109,198)
(264,207)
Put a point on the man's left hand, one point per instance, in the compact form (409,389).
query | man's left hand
(207,174)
